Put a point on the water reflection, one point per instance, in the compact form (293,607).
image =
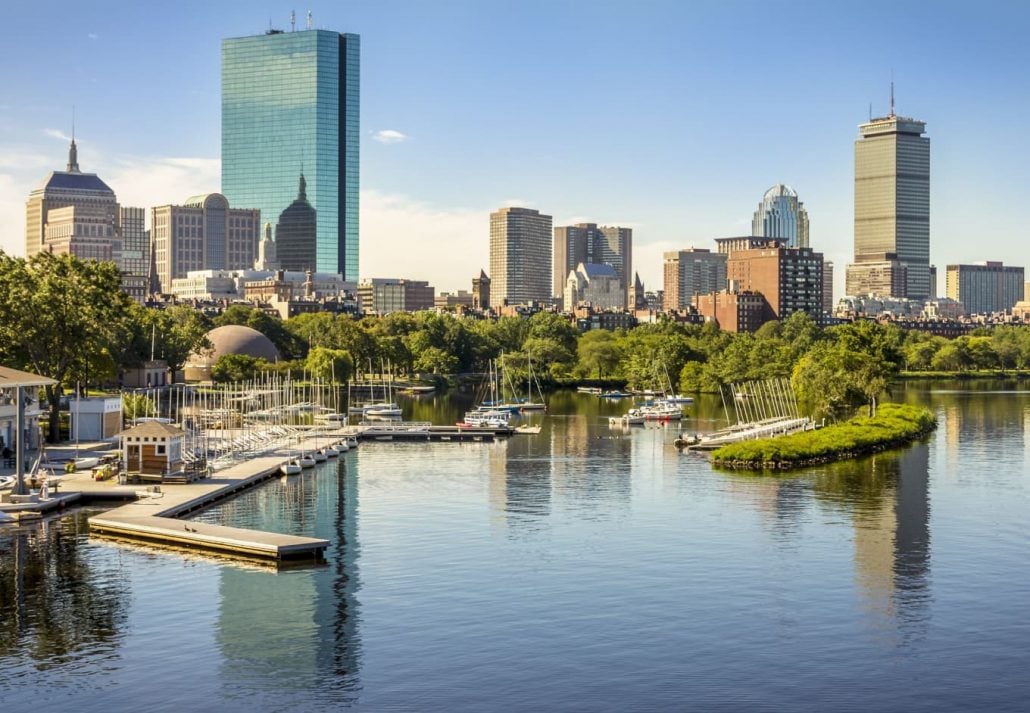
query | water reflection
(59,604)
(313,638)
(887,498)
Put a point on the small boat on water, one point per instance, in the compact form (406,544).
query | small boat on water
(593,390)
(331,451)
(615,395)
(319,457)
(528,430)
(306,461)
(342,447)
(679,399)
(633,417)
(7,482)
(351,442)
(661,411)
(290,468)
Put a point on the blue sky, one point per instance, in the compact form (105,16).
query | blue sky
(672,117)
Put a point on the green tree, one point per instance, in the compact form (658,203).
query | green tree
(434,360)
(598,353)
(63,318)
(236,367)
(170,334)
(331,365)
(137,405)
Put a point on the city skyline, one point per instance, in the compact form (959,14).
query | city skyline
(445,141)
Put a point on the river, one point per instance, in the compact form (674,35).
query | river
(585,568)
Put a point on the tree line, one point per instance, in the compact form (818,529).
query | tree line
(68,319)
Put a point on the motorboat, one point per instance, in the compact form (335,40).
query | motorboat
(633,417)
(615,395)
(486,419)
(290,468)
(661,411)
(592,390)
(679,399)
(306,461)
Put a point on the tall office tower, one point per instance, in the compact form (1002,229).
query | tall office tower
(985,287)
(135,241)
(892,197)
(781,215)
(695,271)
(290,102)
(203,234)
(296,239)
(88,230)
(520,256)
(589,244)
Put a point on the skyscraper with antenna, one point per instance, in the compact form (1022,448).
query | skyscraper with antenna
(292,98)
(892,205)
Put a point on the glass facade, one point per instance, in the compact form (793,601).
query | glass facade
(291,102)
(781,215)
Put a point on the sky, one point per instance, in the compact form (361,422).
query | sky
(672,118)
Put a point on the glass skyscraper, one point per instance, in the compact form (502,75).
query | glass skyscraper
(781,215)
(290,102)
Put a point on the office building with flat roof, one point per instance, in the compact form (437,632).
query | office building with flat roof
(694,271)
(892,197)
(790,279)
(203,234)
(520,256)
(588,243)
(290,103)
(985,287)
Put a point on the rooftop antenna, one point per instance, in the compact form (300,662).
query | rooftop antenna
(310,21)
(892,92)
(293,21)
(870,111)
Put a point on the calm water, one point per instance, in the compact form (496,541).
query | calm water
(581,569)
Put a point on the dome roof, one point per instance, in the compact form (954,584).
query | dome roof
(234,339)
(778,190)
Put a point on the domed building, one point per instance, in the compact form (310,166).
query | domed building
(782,215)
(230,339)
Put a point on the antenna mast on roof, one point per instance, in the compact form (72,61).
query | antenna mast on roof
(293,21)
(310,21)
(892,97)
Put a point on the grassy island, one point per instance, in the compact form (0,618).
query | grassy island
(893,425)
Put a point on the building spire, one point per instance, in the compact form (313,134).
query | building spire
(302,193)
(73,153)
(892,97)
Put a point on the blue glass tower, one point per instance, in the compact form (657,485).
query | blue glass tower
(290,102)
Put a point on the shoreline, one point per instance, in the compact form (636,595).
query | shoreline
(894,426)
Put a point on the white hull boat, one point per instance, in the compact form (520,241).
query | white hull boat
(307,462)
(290,468)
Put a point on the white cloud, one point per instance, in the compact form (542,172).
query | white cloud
(155,181)
(403,237)
(93,36)
(513,203)
(57,134)
(389,136)
(12,215)
(648,261)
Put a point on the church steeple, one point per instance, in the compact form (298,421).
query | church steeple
(302,192)
(73,158)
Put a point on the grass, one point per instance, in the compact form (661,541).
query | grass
(893,425)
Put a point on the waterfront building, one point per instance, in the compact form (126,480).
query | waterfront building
(290,101)
(781,215)
(586,243)
(520,256)
(381,295)
(135,241)
(691,272)
(985,287)
(790,279)
(203,234)
(595,284)
(481,291)
(72,212)
(880,275)
(892,198)
(295,233)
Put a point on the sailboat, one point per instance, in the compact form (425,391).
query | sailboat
(385,409)
(490,413)
(529,404)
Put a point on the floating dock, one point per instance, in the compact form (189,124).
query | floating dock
(411,431)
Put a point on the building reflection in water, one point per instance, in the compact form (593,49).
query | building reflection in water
(887,496)
(58,604)
(291,629)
